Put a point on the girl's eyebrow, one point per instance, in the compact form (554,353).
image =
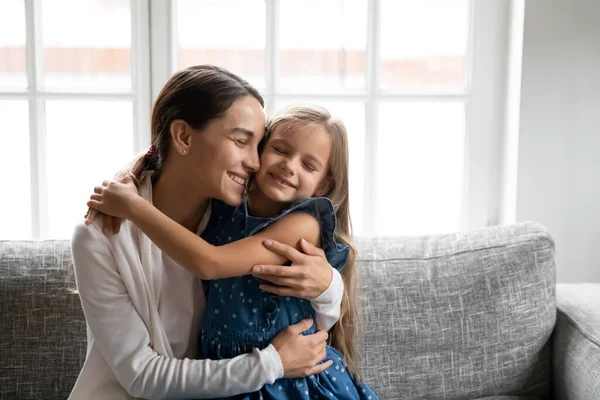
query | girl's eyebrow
(280,140)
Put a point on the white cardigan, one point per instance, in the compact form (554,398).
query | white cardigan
(142,312)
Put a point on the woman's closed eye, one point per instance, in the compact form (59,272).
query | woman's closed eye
(241,143)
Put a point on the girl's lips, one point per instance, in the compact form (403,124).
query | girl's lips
(280,180)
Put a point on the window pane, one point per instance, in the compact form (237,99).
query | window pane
(353,116)
(13,61)
(420,168)
(86,143)
(423,43)
(227,33)
(90,51)
(322,45)
(15,201)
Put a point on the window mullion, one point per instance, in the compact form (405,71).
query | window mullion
(140,73)
(37,134)
(271,55)
(371,118)
(162,44)
(484,119)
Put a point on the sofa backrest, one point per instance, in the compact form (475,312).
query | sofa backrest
(460,316)
(445,317)
(42,339)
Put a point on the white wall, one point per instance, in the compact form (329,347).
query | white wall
(559,138)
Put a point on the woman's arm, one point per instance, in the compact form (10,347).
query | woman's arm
(302,277)
(216,262)
(123,339)
(238,258)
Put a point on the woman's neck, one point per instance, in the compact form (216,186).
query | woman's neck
(260,205)
(174,197)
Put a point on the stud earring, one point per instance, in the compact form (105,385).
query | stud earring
(184,152)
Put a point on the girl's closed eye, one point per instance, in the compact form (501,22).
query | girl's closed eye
(279,150)
(310,167)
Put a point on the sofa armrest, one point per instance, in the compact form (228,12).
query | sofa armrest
(576,342)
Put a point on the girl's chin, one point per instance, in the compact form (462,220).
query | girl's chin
(276,194)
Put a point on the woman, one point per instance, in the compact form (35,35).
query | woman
(141,308)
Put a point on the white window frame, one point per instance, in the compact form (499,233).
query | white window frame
(153,55)
(36,96)
(484,99)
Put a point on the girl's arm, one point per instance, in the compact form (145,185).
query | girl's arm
(235,259)
(188,249)
(215,262)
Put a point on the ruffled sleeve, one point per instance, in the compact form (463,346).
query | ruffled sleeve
(322,209)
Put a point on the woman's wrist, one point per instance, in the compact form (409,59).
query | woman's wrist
(325,283)
(331,292)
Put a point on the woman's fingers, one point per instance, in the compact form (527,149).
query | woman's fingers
(283,249)
(107,226)
(90,216)
(311,249)
(265,271)
(98,189)
(320,367)
(282,291)
(117,225)
(286,282)
(300,327)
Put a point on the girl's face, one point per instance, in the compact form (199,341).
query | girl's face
(225,153)
(294,165)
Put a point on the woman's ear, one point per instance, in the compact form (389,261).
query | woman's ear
(181,135)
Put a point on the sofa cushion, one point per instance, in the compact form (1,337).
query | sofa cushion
(459,316)
(42,339)
(577,342)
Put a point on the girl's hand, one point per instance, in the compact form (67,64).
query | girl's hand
(114,198)
(309,275)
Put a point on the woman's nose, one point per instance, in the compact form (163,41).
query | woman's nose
(252,161)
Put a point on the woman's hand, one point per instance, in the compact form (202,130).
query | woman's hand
(114,198)
(301,354)
(110,224)
(309,275)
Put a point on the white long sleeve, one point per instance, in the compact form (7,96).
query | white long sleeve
(327,304)
(123,335)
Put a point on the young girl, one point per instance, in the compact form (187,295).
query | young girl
(305,155)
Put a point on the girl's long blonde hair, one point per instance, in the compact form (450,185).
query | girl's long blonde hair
(345,333)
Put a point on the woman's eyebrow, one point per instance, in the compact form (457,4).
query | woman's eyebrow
(245,131)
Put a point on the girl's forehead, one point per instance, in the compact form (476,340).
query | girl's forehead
(296,130)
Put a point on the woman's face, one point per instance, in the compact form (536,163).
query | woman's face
(224,154)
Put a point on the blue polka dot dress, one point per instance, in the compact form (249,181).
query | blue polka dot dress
(240,317)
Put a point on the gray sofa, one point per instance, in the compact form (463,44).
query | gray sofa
(465,316)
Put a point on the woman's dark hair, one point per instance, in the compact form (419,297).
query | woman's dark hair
(195,95)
